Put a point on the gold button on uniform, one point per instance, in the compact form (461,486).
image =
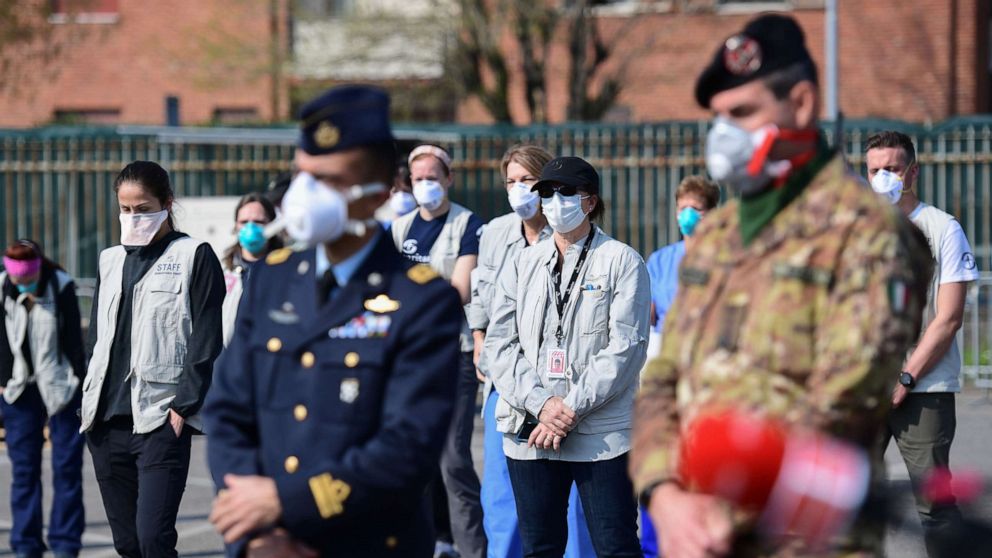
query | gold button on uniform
(300,412)
(351,360)
(274,344)
(391,542)
(292,464)
(308,360)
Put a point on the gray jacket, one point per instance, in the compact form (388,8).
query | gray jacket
(501,243)
(605,329)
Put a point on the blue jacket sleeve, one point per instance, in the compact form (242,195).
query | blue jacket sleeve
(229,408)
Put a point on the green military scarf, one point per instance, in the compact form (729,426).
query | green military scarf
(758,210)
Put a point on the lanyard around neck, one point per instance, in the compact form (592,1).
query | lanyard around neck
(562,301)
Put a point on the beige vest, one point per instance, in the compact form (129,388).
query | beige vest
(55,380)
(161,324)
(444,253)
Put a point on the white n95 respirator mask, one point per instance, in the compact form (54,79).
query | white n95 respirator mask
(313,213)
(888,184)
(429,194)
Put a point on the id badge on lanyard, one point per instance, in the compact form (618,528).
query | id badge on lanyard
(558,356)
(557,363)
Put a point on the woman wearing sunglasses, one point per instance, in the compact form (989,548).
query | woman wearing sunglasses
(565,345)
(501,244)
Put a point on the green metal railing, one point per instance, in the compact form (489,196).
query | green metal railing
(56,183)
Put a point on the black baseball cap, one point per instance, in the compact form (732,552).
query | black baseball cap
(572,171)
(766,44)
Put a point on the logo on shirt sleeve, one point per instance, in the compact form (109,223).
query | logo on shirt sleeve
(968,260)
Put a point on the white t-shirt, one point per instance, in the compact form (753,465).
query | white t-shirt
(954,262)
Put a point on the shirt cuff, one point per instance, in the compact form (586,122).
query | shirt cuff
(535,400)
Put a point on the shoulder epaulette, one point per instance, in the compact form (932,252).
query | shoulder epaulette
(279,256)
(421,273)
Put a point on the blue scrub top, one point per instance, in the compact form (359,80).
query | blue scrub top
(663,269)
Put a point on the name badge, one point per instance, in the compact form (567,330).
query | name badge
(557,363)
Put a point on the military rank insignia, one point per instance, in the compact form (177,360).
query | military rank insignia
(329,494)
(368,325)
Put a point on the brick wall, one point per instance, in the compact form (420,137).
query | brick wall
(212,54)
(905,60)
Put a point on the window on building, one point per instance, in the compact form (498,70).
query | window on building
(323,9)
(753,6)
(84,11)
(235,115)
(87,116)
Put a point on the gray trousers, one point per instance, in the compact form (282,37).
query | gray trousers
(460,480)
(923,427)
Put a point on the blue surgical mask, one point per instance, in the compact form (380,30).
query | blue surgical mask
(252,238)
(29,288)
(688,218)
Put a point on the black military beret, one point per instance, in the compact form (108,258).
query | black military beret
(768,43)
(345,117)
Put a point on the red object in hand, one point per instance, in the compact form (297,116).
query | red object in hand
(734,456)
(801,484)
(940,487)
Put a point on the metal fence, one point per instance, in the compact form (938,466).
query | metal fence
(56,183)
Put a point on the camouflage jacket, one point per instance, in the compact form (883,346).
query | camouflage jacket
(809,324)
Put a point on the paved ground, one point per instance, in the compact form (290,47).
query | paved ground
(971,451)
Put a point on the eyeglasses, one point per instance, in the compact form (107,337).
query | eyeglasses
(548,190)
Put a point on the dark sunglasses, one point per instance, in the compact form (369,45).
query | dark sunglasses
(548,190)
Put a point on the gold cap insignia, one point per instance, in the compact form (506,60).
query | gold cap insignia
(329,494)
(326,135)
(277,257)
(421,273)
(382,304)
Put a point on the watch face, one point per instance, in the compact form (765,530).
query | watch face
(906,379)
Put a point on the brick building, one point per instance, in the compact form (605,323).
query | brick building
(920,60)
(116,61)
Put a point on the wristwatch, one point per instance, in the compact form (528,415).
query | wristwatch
(907,379)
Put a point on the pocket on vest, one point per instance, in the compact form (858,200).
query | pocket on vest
(159,373)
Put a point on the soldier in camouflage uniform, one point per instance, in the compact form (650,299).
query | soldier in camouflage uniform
(798,301)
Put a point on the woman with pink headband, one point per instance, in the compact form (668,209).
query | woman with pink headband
(41,365)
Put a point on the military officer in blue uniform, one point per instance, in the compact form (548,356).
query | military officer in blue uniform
(329,409)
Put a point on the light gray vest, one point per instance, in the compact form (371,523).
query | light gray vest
(161,324)
(444,253)
(229,311)
(55,380)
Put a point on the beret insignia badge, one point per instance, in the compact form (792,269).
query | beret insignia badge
(741,55)
(326,135)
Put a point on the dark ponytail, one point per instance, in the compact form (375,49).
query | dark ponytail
(152,178)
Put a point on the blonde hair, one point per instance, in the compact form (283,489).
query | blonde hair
(530,157)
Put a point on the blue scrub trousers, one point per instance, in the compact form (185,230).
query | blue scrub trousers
(499,508)
(25,422)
